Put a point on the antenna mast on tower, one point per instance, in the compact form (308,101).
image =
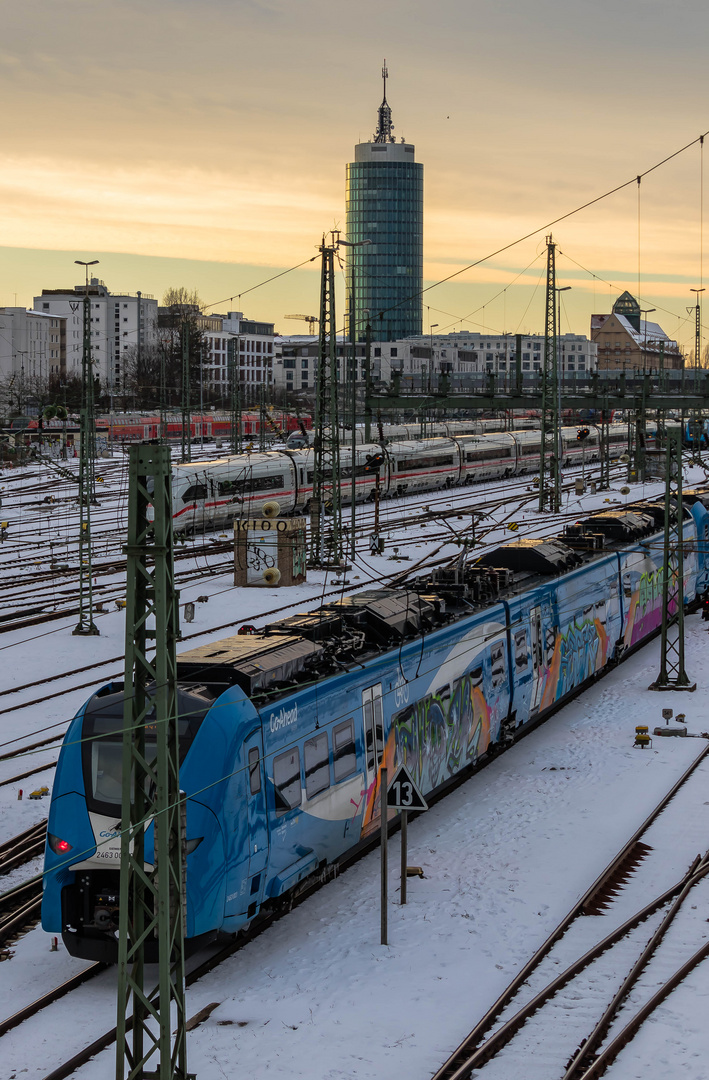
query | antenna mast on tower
(385,127)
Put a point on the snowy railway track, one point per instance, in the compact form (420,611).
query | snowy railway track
(19,911)
(23,847)
(603,885)
(522,1037)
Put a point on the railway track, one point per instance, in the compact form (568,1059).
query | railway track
(615,871)
(19,912)
(520,1033)
(23,847)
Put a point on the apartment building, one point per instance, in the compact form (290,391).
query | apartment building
(118,322)
(32,344)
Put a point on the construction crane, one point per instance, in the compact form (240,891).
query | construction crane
(311,320)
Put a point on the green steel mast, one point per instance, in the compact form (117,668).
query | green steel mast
(185,397)
(326,446)
(549,463)
(672,674)
(234,395)
(151,897)
(87,475)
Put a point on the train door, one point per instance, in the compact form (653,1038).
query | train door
(373,717)
(535,619)
(256,809)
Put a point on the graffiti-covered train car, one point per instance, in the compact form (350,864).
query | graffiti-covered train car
(284,732)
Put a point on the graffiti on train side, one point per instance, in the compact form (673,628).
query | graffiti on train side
(645,608)
(443,732)
(579,650)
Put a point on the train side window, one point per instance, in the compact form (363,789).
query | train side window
(373,725)
(343,747)
(627,586)
(521,651)
(195,492)
(286,780)
(476,677)
(497,661)
(254,771)
(316,759)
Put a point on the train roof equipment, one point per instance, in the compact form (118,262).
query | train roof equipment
(531,555)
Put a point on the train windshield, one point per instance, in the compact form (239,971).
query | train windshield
(102,750)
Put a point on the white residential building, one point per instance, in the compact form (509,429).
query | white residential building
(295,357)
(295,361)
(119,322)
(32,344)
(463,351)
(255,349)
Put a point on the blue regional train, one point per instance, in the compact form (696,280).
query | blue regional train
(284,731)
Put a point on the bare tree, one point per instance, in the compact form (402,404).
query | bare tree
(181,297)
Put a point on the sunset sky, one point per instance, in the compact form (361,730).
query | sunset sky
(204,144)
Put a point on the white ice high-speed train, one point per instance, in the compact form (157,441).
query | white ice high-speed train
(211,494)
(300,440)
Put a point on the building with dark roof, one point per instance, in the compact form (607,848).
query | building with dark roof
(628,342)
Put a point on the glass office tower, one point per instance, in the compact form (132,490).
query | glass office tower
(385,206)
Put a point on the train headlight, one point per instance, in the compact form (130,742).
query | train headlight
(192,845)
(58,846)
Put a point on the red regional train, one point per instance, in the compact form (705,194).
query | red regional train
(136,427)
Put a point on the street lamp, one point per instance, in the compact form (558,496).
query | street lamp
(87,315)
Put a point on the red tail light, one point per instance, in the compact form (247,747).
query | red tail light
(59,847)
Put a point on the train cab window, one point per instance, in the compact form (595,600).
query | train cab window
(286,780)
(195,493)
(497,663)
(521,650)
(317,765)
(254,771)
(343,746)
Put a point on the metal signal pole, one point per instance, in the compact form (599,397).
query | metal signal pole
(672,674)
(87,473)
(604,480)
(234,395)
(351,380)
(185,399)
(326,446)
(697,417)
(549,469)
(151,897)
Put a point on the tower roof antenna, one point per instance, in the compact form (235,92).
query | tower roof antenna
(385,127)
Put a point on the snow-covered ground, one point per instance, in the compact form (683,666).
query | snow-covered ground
(504,858)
